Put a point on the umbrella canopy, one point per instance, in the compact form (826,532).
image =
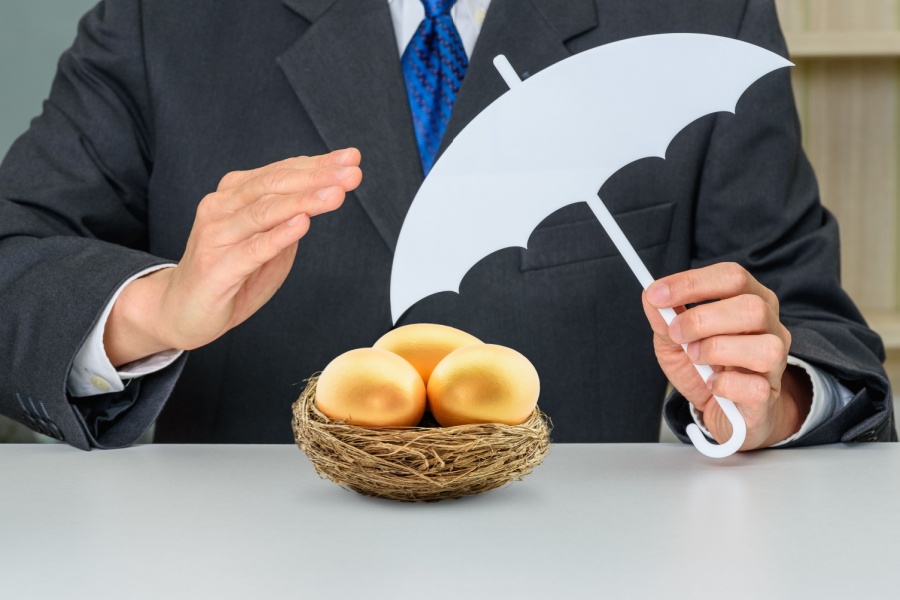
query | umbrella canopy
(554,140)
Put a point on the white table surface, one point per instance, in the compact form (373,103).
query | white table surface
(594,521)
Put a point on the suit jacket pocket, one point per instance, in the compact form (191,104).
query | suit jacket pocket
(576,241)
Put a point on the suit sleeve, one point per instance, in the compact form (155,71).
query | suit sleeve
(73,193)
(759,206)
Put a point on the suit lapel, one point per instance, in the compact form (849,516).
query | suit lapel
(531,34)
(345,69)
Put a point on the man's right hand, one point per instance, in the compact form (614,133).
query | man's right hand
(239,252)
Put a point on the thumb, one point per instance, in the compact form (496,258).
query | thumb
(717,422)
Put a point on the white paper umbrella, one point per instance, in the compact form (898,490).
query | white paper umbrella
(554,140)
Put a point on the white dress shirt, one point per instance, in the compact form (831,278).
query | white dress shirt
(92,373)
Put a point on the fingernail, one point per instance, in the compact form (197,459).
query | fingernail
(711,380)
(296,220)
(345,172)
(675,331)
(658,294)
(693,350)
(325,193)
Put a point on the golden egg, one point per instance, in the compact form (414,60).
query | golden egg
(424,345)
(371,387)
(483,384)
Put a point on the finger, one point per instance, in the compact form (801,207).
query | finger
(717,423)
(762,354)
(291,181)
(751,391)
(675,363)
(278,182)
(248,256)
(270,211)
(719,281)
(348,157)
(662,344)
(657,323)
(747,313)
(752,399)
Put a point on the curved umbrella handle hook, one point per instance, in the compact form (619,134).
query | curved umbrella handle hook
(640,271)
(738,426)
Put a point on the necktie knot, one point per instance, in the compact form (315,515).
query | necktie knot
(437,8)
(434,64)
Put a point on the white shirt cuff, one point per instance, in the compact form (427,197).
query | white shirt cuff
(92,373)
(829,397)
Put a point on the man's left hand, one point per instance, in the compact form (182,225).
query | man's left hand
(741,336)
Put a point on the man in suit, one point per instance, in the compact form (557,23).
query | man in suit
(164,141)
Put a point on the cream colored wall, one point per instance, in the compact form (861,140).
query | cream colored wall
(847,83)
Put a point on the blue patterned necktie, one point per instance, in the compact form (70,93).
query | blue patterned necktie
(434,64)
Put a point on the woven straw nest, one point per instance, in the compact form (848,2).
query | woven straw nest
(418,464)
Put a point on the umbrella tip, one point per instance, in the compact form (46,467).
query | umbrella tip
(506,71)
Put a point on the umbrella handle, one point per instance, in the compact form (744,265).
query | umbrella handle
(739,427)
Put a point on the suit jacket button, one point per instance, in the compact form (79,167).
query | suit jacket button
(867,436)
(54,431)
(42,426)
(31,423)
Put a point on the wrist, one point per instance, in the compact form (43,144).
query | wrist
(133,328)
(793,405)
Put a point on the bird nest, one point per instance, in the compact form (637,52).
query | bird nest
(418,464)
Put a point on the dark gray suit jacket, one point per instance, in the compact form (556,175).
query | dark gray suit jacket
(157,100)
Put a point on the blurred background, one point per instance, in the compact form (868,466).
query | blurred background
(847,54)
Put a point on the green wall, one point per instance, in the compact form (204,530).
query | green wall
(33,33)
